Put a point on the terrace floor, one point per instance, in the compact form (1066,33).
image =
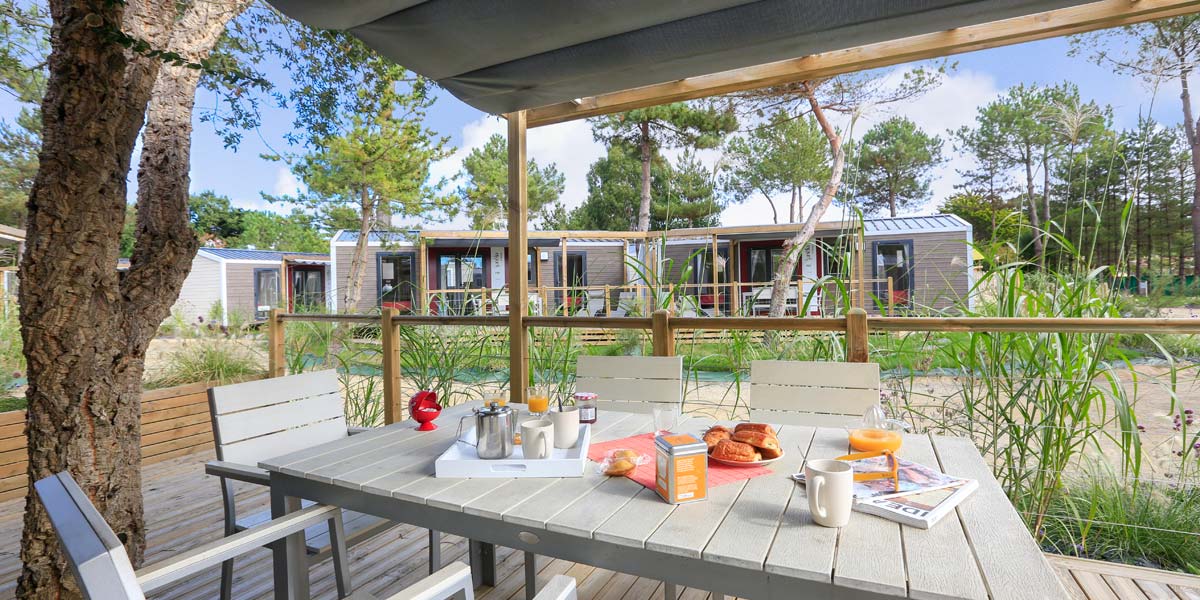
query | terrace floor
(183,510)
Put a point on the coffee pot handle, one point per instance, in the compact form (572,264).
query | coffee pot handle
(458,435)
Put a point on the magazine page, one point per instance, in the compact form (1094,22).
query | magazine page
(920,509)
(914,477)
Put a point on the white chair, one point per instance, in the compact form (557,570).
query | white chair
(632,383)
(103,570)
(812,393)
(258,420)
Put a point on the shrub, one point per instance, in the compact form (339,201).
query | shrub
(209,360)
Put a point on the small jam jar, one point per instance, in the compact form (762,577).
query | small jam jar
(586,403)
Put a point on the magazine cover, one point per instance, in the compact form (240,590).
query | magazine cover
(914,477)
(921,509)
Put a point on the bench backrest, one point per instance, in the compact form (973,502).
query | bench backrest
(812,393)
(257,420)
(97,557)
(632,383)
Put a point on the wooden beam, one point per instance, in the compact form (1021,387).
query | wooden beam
(1054,23)
(518,245)
(393,410)
(276,355)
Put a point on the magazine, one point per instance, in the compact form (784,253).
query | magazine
(914,477)
(920,509)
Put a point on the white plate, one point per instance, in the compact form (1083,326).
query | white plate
(735,463)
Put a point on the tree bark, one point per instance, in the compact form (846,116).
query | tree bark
(644,207)
(783,274)
(892,203)
(85,332)
(793,209)
(1034,218)
(84,379)
(774,213)
(1189,130)
(358,261)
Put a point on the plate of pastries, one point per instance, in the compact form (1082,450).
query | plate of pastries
(745,445)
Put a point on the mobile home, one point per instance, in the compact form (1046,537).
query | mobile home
(248,283)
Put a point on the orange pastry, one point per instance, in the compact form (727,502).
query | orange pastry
(714,435)
(759,427)
(735,451)
(625,453)
(619,467)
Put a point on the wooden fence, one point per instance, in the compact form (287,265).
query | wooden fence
(175,422)
(856,326)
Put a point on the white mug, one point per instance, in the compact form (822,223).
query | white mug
(830,489)
(537,435)
(566,427)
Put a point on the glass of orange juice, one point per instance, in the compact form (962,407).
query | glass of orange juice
(538,400)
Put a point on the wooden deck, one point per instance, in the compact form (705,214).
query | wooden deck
(183,511)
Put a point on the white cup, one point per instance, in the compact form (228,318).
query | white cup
(566,427)
(830,489)
(537,435)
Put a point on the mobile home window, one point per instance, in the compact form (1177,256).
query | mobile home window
(894,259)
(397,277)
(266,292)
(764,262)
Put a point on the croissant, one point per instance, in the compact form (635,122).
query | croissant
(714,435)
(768,445)
(760,427)
(734,451)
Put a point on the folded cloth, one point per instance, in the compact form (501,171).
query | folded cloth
(718,474)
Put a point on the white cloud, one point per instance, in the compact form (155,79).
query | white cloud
(286,183)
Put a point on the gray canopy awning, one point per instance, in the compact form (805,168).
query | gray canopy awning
(506,55)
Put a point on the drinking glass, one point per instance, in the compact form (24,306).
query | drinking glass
(665,419)
(539,401)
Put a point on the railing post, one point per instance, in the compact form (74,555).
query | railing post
(390,337)
(856,335)
(663,336)
(276,361)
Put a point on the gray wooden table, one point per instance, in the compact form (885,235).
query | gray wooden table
(753,539)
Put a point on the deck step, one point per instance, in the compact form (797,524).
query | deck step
(1087,579)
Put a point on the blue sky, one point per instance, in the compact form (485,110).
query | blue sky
(979,77)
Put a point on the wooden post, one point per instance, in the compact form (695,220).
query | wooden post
(422,269)
(663,336)
(716,280)
(735,276)
(518,245)
(856,335)
(607,305)
(276,361)
(393,410)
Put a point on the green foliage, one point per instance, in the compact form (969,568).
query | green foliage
(990,223)
(24,44)
(690,200)
(212,361)
(893,164)
(785,155)
(1103,516)
(12,359)
(436,357)
(614,182)
(485,185)
(214,217)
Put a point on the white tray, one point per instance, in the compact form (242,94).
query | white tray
(460,460)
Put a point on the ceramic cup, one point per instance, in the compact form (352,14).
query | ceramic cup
(830,488)
(537,437)
(566,427)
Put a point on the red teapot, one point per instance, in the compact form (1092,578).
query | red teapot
(424,408)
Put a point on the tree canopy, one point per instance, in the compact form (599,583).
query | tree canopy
(892,165)
(484,188)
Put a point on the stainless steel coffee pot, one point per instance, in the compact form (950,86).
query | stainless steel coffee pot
(494,426)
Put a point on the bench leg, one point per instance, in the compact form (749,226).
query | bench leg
(227,580)
(483,563)
(435,551)
(341,560)
(530,575)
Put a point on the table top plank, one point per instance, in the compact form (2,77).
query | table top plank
(636,521)
(1012,564)
(543,505)
(457,497)
(939,559)
(807,550)
(384,465)
(587,513)
(745,537)
(690,526)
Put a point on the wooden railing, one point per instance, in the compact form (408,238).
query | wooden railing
(856,325)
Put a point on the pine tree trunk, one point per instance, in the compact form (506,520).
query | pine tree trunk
(358,261)
(1034,218)
(891,204)
(1189,129)
(787,267)
(83,331)
(794,208)
(644,207)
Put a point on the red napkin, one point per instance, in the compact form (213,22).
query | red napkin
(718,474)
